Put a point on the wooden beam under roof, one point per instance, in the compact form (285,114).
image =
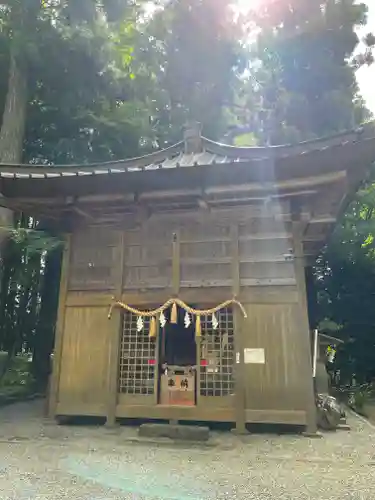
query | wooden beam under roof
(212,195)
(323,220)
(153,197)
(289,184)
(83,213)
(108,214)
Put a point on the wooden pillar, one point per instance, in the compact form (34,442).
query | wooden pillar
(176,263)
(114,343)
(239,367)
(59,333)
(304,332)
(157,358)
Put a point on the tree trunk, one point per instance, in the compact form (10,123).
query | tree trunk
(44,334)
(11,147)
(8,362)
(14,116)
(13,124)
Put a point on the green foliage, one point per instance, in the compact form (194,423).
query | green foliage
(345,283)
(197,57)
(301,81)
(245,140)
(360,396)
(360,399)
(18,374)
(34,241)
(86,103)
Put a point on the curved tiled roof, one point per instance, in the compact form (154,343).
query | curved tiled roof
(175,157)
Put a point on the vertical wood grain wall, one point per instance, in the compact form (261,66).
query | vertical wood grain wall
(267,287)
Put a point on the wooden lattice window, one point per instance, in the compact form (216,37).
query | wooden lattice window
(137,357)
(217,355)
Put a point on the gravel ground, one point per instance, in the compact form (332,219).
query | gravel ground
(40,460)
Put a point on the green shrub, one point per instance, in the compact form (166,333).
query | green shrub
(19,373)
(360,399)
(360,396)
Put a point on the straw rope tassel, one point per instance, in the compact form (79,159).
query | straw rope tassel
(181,303)
(153,332)
(198,327)
(174,314)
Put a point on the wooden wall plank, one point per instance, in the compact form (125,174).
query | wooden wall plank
(115,334)
(148,256)
(255,294)
(84,362)
(277,384)
(92,259)
(85,299)
(205,249)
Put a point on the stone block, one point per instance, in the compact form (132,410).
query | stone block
(178,432)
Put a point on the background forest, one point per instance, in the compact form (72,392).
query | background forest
(87,81)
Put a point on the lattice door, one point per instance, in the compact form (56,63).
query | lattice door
(137,358)
(217,355)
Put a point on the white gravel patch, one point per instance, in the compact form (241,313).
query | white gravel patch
(40,460)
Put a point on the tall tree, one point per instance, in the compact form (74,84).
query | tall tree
(302,76)
(88,107)
(70,94)
(197,46)
(17,21)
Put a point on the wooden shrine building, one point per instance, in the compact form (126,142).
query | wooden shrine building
(199,250)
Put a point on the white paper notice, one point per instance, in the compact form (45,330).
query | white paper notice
(237,357)
(254,356)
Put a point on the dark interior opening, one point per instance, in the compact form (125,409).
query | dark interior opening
(178,347)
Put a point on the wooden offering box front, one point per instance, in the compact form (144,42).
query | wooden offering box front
(178,389)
